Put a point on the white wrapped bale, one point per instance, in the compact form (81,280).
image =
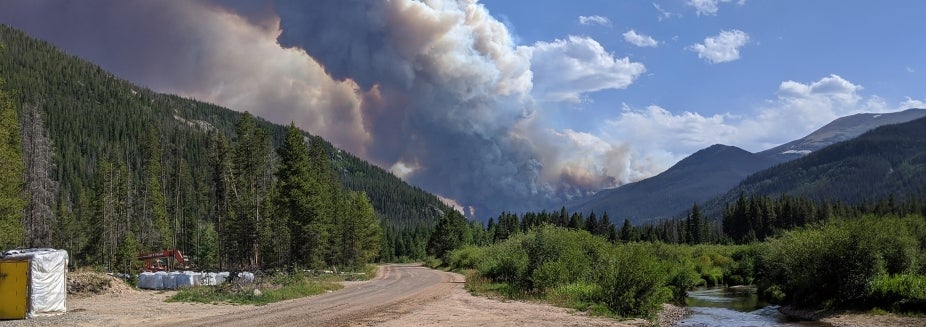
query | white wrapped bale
(151,281)
(209,279)
(197,279)
(246,277)
(221,277)
(184,279)
(170,281)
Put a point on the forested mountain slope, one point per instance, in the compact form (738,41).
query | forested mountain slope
(91,116)
(697,178)
(884,162)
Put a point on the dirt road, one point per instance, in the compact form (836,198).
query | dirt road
(400,295)
(397,288)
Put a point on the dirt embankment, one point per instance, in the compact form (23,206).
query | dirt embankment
(853,319)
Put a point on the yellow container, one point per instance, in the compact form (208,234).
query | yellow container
(14,289)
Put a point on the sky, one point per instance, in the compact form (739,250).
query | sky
(509,105)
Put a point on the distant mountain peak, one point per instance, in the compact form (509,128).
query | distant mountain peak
(841,129)
(695,179)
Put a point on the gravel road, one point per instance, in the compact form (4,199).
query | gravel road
(400,295)
(397,289)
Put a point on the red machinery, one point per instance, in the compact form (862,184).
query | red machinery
(160,261)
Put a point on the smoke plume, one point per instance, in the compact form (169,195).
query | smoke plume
(436,90)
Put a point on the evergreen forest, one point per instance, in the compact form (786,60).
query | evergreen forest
(108,169)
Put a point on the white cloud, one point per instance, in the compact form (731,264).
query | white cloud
(664,14)
(798,109)
(723,47)
(594,20)
(640,40)
(565,69)
(912,103)
(709,7)
(655,127)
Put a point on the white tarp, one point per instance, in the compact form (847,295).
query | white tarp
(151,281)
(170,280)
(48,270)
(184,280)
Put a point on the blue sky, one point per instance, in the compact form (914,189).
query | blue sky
(512,105)
(877,45)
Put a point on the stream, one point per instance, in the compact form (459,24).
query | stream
(720,306)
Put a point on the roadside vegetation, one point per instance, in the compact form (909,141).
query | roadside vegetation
(866,260)
(871,262)
(270,288)
(575,269)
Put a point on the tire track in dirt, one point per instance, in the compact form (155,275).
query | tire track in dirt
(396,290)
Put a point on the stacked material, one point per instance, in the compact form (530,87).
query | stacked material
(176,280)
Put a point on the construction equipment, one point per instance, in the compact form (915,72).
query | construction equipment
(160,261)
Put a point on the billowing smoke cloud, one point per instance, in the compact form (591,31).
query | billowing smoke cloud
(203,51)
(435,90)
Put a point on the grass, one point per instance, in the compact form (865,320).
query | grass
(270,293)
(274,288)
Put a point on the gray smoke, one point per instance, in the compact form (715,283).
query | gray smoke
(437,91)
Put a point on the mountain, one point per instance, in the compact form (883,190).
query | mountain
(714,170)
(91,115)
(887,161)
(695,179)
(841,129)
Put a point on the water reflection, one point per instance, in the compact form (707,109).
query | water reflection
(720,306)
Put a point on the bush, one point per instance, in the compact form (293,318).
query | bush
(557,256)
(834,265)
(902,293)
(682,278)
(633,282)
(580,295)
(505,261)
(467,257)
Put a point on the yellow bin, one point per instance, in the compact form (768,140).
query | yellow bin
(14,291)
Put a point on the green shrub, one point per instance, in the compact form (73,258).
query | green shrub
(835,264)
(467,257)
(505,261)
(902,293)
(557,256)
(741,270)
(633,282)
(432,262)
(580,295)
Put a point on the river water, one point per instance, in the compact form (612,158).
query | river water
(721,307)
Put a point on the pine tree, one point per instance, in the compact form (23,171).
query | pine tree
(11,175)
(41,189)
(153,201)
(324,191)
(448,235)
(251,166)
(627,231)
(576,221)
(360,232)
(292,206)
(604,225)
(591,224)
(222,180)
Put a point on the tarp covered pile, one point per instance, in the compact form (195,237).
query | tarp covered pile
(33,282)
(162,280)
